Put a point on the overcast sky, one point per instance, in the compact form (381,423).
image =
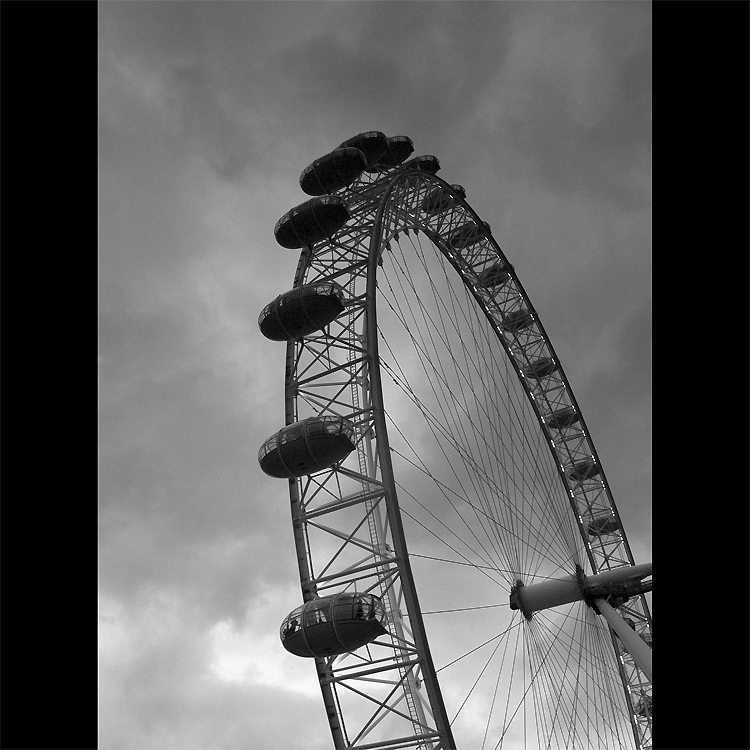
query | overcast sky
(209,111)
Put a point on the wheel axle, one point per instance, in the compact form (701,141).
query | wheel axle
(618,584)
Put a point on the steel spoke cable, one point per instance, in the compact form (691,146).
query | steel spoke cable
(436,423)
(591,672)
(556,689)
(480,568)
(505,723)
(498,411)
(560,635)
(560,566)
(556,683)
(465,458)
(459,562)
(476,682)
(499,446)
(497,683)
(537,685)
(488,448)
(492,706)
(443,489)
(558,505)
(542,654)
(463,609)
(481,645)
(452,404)
(538,713)
(572,734)
(551,480)
(452,317)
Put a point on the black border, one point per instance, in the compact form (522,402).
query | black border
(701,364)
(48,134)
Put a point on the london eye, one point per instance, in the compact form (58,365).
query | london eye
(466,578)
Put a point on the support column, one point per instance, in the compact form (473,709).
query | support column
(635,645)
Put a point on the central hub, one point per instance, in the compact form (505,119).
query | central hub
(618,583)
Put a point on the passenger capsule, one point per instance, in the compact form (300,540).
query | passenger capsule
(427,163)
(606,524)
(308,446)
(301,311)
(440,199)
(495,275)
(398,148)
(373,144)
(332,172)
(516,321)
(311,222)
(643,707)
(564,417)
(467,235)
(540,368)
(585,469)
(333,625)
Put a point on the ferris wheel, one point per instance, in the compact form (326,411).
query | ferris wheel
(466,578)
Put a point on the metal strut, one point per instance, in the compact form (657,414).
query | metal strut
(616,585)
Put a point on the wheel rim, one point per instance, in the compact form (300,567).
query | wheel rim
(348,520)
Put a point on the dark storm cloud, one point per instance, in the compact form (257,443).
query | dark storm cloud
(227,146)
(632,371)
(589,130)
(177,467)
(171,46)
(411,61)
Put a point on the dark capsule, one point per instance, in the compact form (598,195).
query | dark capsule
(301,311)
(540,368)
(332,172)
(311,222)
(308,446)
(441,199)
(333,625)
(373,144)
(643,707)
(585,469)
(516,321)
(467,235)
(495,275)
(397,149)
(427,163)
(606,524)
(564,417)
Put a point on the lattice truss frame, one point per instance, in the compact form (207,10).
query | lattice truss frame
(342,527)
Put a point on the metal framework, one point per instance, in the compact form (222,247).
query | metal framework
(348,527)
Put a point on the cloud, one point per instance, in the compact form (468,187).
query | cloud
(166,683)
